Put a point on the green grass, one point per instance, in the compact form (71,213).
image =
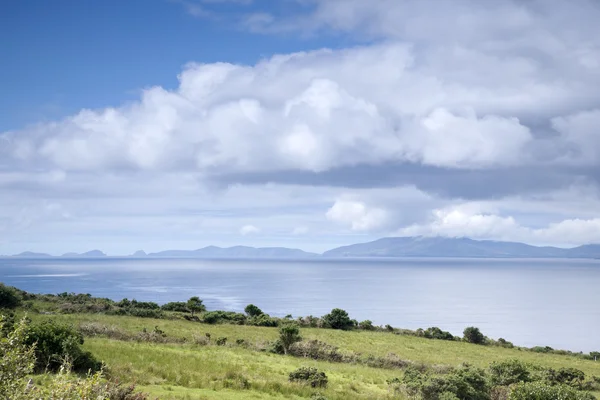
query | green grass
(211,372)
(368,343)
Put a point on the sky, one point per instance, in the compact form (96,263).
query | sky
(177,124)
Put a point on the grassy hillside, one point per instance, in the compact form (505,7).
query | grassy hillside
(183,370)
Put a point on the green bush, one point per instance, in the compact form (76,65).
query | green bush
(221,341)
(310,376)
(262,320)
(566,376)
(543,391)
(505,373)
(214,317)
(9,297)
(437,333)
(366,325)
(56,345)
(338,319)
(473,335)
(289,334)
(178,306)
(465,382)
(252,310)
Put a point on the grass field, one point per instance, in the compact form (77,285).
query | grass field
(188,371)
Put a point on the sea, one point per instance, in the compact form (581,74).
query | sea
(530,302)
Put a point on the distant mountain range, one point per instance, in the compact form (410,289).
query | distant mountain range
(386,247)
(235,252)
(458,247)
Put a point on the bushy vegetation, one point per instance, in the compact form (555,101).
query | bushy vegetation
(338,319)
(310,376)
(9,297)
(56,345)
(18,361)
(473,335)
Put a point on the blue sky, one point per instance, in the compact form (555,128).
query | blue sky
(158,124)
(75,54)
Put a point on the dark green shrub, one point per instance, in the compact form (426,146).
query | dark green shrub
(252,310)
(366,325)
(56,344)
(504,343)
(221,341)
(145,305)
(437,333)
(542,391)
(262,320)
(338,319)
(310,376)
(505,373)
(465,382)
(473,335)
(566,376)
(214,317)
(289,333)
(240,342)
(9,297)
(178,306)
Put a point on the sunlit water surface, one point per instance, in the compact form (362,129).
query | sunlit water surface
(529,302)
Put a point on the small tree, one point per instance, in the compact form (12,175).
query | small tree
(473,335)
(252,310)
(338,319)
(288,335)
(16,360)
(194,304)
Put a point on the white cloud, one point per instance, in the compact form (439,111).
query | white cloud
(249,230)
(357,215)
(459,222)
(452,100)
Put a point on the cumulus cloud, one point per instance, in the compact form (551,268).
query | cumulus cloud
(460,222)
(357,215)
(448,104)
(249,230)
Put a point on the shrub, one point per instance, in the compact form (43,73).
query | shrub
(566,376)
(367,325)
(289,334)
(437,333)
(9,297)
(214,317)
(221,341)
(542,391)
(309,375)
(505,373)
(178,306)
(262,320)
(56,344)
(465,382)
(16,360)
(338,319)
(235,380)
(473,335)
(252,310)
(316,350)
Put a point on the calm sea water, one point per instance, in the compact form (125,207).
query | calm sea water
(530,302)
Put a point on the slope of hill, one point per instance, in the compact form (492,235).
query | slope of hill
(236,252)
(457,247)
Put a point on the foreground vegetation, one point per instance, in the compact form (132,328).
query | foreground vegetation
(179,353)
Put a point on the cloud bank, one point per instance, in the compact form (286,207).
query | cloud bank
(445,107)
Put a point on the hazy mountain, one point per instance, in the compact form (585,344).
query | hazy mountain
(31,254)
(139,253)
(457,247)
(92,253)
(236,252)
